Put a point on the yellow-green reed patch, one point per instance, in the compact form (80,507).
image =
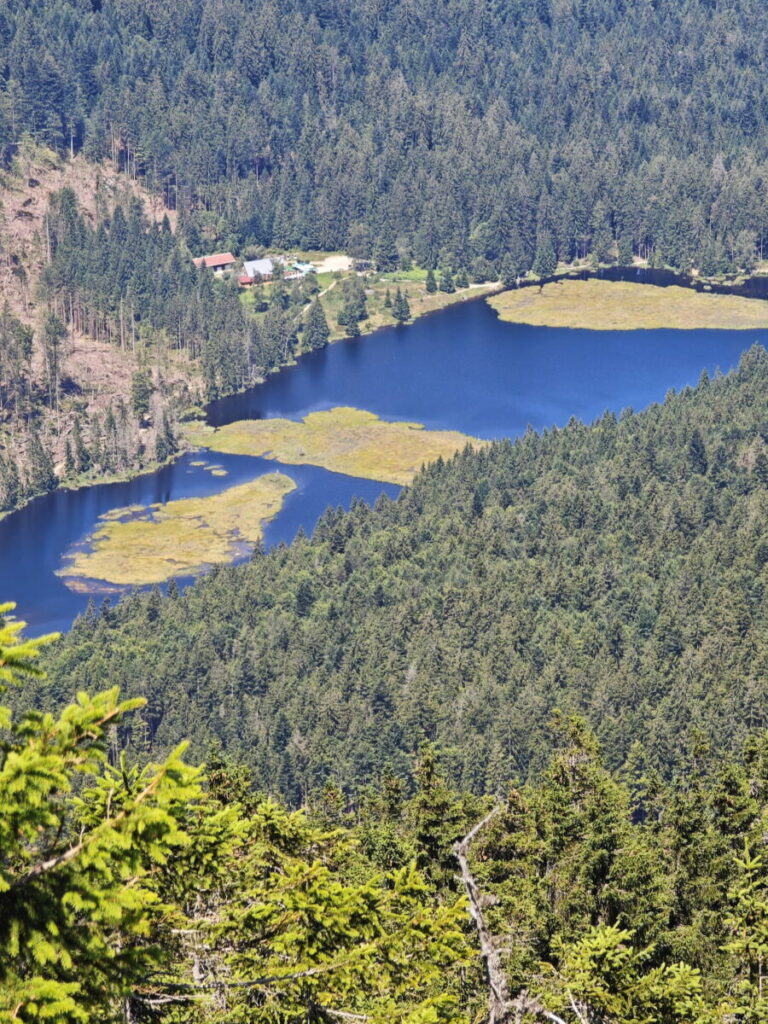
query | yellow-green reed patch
(180,538)
(122,513)
(623,305)
(343,440)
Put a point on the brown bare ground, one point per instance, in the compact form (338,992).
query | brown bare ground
(99,373)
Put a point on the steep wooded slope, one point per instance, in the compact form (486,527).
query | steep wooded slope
(462,127)
(618,570)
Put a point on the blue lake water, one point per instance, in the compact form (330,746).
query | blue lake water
(461,368)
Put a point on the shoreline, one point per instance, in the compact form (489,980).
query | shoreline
(185,448)
(600,304)
(642,276)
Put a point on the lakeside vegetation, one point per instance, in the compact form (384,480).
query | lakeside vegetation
(380,289)
(494,751)
(140,545)
(343,440)
(624,306)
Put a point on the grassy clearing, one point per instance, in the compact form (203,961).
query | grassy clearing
(140,545)
(343,440)
(607,305)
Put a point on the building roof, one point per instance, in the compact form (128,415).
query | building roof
(263,267)
(218,259)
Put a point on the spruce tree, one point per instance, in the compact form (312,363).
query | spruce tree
(446,281)
(42,477)
(431,283)
(545,263)
(82,458)
(12,483)
(401,309)
(385,252)
(141,392)
(316,330)
(626,254)
(508,271)
(697,453)
(69,461)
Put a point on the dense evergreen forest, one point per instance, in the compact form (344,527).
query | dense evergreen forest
(496,750)
(462,130)
(615,570)
(158,892)
(130,282)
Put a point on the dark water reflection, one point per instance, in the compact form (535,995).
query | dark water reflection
(461,368)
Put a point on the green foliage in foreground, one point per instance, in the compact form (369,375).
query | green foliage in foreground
(79,844)
(162,894)
(617,571)
(130,893)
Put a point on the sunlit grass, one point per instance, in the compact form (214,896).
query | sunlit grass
(622,305)
(139,545)
(344,440)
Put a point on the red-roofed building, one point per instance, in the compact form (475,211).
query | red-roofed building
(218,262)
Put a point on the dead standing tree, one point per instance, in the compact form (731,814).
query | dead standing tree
(501,1008)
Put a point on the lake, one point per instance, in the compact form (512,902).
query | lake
(461,368)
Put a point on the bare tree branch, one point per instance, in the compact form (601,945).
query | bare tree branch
(498,1001)
(500,1006)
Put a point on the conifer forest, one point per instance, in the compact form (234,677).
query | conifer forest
(491,748)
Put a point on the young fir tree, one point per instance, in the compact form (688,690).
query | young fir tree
(462,281)
(354,307)
(431,283)
(316,330)
(401,309)
(446,281)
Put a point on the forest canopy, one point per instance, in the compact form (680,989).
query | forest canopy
(458,130)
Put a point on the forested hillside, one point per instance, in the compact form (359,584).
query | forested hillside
(616,570)
(157,892)
(462,129)
(108,332)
